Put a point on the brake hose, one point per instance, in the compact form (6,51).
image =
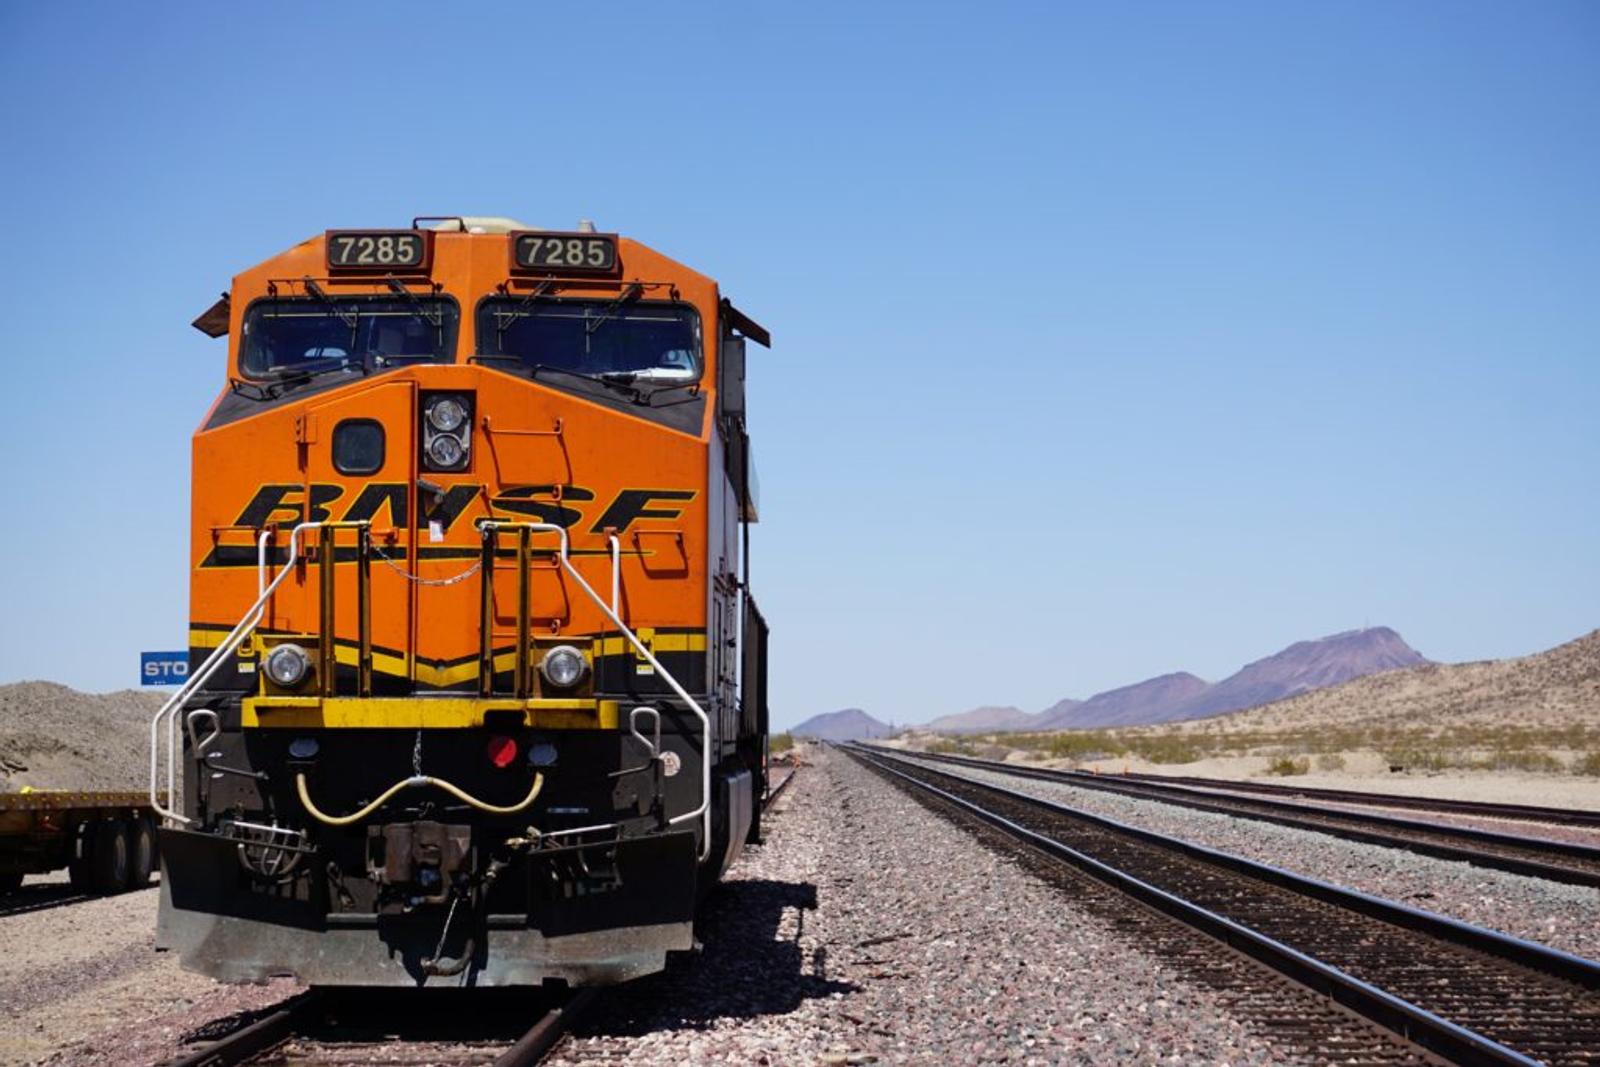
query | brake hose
(404,783)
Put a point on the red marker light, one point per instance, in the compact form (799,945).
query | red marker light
(502,751)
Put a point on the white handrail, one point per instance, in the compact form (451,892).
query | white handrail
(703,812)
(174,704)
(616,573)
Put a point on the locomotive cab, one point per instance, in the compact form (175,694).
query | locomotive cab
(477,690)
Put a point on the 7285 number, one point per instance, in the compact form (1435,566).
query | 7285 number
(581,253)
(375,249)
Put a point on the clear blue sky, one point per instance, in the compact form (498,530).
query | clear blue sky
(1112,339)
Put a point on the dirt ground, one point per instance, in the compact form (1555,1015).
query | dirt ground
(74,975)
(53,737)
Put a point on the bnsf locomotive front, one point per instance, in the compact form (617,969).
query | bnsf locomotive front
(477,687)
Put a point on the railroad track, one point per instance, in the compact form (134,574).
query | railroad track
(41,898)
(1479,808)
(433,1027)
(1461,992)
(1560,861)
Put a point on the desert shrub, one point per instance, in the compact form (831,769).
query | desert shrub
(1084,744)
(1286,765)
(1330,761)
(1588,764)
(946,746)
(1525,759)
(780,743)
(1167,750)
(1419,758)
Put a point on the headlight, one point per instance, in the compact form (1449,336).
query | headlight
(447,413)
(446,425)
(563,666)
(288,665)
(445,451)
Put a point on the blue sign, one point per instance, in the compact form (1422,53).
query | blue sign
(163,668)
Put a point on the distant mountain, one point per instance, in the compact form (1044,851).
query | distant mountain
(1302,667)
(984,720)
(1153,700)
(1057,710)
(851,724)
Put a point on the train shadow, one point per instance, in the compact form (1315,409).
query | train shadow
(750,965)
(39,898)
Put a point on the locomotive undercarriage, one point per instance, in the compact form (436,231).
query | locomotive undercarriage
(429,889)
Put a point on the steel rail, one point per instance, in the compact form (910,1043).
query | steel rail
(776,791)
(1412,1021)
(1534,856)
(267,1032)
(543,1035)
(1485,808)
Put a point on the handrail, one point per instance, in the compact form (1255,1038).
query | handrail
(169,710)
(174,704)
(703,812)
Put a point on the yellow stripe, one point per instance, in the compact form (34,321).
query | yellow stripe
(616,646)
(454,674)
(408,713)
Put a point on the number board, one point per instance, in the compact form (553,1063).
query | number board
(564,253)
(378,249)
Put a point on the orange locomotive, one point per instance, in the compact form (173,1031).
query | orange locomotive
(477,687)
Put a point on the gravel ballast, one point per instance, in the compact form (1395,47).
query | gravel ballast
(868,929)
(1552,913)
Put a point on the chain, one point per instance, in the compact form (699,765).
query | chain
(408,576)
(416,756)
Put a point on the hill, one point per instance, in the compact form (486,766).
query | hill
(53,737)
(1303,666)
(1557,689)
(850,724)
(986,719)
(1155,700)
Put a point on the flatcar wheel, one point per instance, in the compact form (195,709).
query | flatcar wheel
(141,854)
(109,855)
(80,870)
(10,882)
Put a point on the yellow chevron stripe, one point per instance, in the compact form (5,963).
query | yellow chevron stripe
(456,673)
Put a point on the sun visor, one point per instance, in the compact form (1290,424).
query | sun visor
(213,321)
(746,325)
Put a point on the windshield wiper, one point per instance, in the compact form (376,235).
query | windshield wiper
(610,312)
(433,316)
(504,318)
(348,316)
(599,379)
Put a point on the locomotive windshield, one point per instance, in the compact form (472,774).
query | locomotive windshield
(306,335)
(612,340)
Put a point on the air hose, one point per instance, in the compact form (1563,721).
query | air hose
(405,783)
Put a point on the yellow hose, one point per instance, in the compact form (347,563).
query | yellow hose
(421,779)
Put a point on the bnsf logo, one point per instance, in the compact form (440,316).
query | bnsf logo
(283,505)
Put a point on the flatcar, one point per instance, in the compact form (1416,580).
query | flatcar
(477,690)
